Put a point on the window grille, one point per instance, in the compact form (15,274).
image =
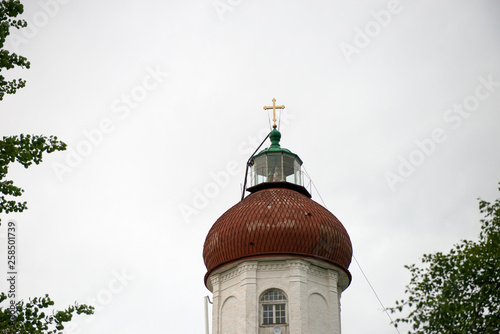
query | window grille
(273,304)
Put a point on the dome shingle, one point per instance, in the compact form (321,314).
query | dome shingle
(277,222)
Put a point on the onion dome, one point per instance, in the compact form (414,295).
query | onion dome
(278,219)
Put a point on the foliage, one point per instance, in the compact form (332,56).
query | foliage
(34,317)
(9,9)
(25,149)
(31,317)
(458,292)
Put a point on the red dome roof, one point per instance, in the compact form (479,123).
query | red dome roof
(277,222)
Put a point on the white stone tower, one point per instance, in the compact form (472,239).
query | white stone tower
(277,262)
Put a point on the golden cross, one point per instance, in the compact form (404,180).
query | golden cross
(274,107)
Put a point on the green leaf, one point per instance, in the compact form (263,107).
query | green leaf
(457,292)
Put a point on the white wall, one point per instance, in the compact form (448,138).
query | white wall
(312,289)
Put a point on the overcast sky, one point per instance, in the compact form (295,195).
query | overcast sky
(392,105)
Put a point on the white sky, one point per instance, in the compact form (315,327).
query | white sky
(351,117)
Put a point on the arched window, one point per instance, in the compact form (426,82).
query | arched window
(273,307)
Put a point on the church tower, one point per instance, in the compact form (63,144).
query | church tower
(277,261)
